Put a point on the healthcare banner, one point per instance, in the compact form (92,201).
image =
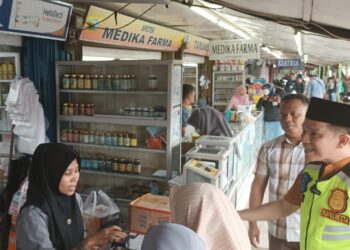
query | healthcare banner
(35,18)
(234,49)
(125,31)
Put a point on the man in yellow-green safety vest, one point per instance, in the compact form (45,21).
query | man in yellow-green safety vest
(321,190)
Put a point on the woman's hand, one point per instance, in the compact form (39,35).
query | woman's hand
(102,238)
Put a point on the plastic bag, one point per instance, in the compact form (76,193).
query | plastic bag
(99,211)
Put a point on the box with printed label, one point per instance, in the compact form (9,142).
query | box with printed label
(148,210)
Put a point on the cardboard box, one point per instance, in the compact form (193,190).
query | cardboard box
(148,210)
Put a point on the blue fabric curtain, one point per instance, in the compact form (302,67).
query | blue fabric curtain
(38,64)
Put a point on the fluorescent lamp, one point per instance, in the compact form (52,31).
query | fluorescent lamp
(205,14)
(275,53)
(211,16)
(97,58)
(306,58)
(233,29)
(297,37)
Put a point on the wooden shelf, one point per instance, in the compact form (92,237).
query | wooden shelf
(114,92)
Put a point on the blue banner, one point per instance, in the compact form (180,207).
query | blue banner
(36,18)
(289,63)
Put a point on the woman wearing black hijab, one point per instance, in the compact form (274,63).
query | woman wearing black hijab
(51,217)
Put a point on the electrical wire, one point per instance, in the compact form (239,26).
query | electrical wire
(104,19)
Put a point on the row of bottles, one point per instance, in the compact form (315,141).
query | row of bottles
(109,164)
(7,71)
(99,82)
(122,139)
(78,109)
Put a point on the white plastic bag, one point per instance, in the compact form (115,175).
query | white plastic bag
(99,211)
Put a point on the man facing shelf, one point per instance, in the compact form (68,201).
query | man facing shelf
(279,162)
(321,190)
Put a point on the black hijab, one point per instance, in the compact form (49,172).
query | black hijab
(50,161)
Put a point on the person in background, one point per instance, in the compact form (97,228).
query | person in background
(270,103)
(206,210)
(202,103)
(290,85)
(316,87)
(321,190)
(299,85)
(51,218)
(209,121)
(239,98)
(188,96)
(172,237)
(331,88)
(279,163)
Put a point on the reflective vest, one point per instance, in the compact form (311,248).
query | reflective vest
(325,209)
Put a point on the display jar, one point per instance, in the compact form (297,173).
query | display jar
(87,82)
(86,137)
(64,135)
(133,82)
(116,82)
(101,79)
(133,140)
(122,166)
(70,109)
(136,166)
(115,165)
(87,109)
(81,82)
(120,139)
(101,163)
(76,109)
(108,82)
(123,83)
(152,82)
(138,111)
(82,109)
(65,81)
(94,162)
(108,139)
(102,139)
(97,138)
(114,139)
(126,140)
(108,165)
(145,112)
(69,135)
(65,109)
(129,167)
(73,82)
(91,137)
(81,136)
(95,82)
(76,136)
(92,109)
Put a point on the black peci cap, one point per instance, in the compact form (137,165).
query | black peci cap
(334,113)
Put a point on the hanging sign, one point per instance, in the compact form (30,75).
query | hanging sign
(122,30)
(234,49)
(289,63)
(35,18)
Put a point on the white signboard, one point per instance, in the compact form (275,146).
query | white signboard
(35,18)
(234,49)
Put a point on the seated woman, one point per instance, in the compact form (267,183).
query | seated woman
(206,210)
(209,121)
(51,217)
(172,237)
(239,98)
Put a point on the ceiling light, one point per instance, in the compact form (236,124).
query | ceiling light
(219,21)
(306,58)
(97,58)
(276,53)
(298,41)
(205,14)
